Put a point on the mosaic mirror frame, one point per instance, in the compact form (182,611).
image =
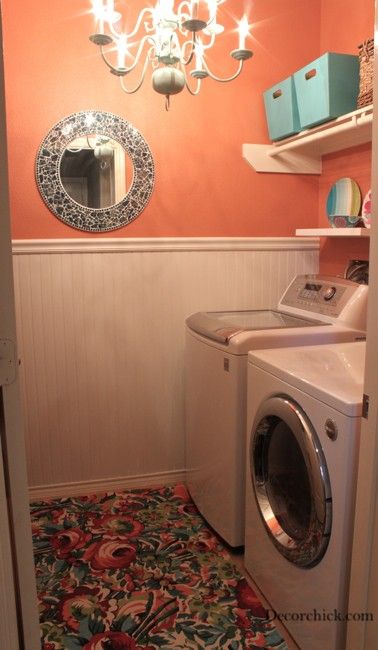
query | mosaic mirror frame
(48,161)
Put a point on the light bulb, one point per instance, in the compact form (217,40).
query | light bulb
(199,55)
(121,50)
(98,11)
(212,6)
(97,8)
(243,32)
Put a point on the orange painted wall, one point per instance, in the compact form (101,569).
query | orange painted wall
(203,186)
(344,25)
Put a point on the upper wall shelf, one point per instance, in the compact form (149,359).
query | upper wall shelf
(302,153)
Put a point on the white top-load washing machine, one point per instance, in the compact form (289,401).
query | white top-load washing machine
(314,309)
(304,416)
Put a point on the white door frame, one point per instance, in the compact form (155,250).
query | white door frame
(8,609)
(363,597)
(19,629)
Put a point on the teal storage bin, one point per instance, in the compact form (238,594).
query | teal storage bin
(327,88)
(281,110)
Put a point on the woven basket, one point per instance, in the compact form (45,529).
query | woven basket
(366,56)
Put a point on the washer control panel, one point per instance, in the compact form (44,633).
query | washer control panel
(316,292)
(319,294)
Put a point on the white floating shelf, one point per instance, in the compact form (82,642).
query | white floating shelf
(302,153)
(332,232)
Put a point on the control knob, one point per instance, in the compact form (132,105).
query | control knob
(329,293)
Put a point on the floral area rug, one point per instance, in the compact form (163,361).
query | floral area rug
(140,570)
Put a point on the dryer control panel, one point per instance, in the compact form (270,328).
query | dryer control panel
(339,299)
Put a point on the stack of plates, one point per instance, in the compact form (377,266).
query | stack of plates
(366,210)
(344,203)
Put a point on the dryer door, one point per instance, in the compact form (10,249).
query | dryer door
(291,482)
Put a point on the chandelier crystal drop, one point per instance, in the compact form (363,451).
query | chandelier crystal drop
(172,40)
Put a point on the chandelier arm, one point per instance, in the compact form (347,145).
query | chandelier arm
(182,15)
(105,60)
(210,43)
(114,32)
(213,76)
(137,57)
(134,90)
(146,10)
(192,46)
(198,85)
(180,9)
(143,41)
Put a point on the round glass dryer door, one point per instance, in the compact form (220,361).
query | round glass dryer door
(291,482)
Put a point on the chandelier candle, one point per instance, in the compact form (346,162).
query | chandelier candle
(165,38)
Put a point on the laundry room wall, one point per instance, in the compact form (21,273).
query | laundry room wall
(203,186)
(102,337)
(101,323)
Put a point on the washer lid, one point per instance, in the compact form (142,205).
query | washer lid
(331,373)
(223,325)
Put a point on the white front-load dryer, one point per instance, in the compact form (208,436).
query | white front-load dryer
(304,415)
(314,309)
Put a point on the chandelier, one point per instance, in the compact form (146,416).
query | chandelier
(173,41)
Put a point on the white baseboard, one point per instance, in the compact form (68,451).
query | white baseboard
(96,486)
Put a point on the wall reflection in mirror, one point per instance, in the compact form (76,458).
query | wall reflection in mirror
(96,171)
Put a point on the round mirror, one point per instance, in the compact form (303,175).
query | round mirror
(95,171)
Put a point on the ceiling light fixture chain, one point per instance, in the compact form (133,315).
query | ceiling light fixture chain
(171,39)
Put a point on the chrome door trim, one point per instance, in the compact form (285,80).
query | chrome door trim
(307,552)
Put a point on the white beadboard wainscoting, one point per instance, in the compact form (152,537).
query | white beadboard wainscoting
(101,341)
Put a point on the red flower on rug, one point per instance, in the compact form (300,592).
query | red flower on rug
(84,601)
(111,641)
(180,492)
(66,541)
(247,599)
(110,554)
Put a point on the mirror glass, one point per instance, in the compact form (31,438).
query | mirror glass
(95,171)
